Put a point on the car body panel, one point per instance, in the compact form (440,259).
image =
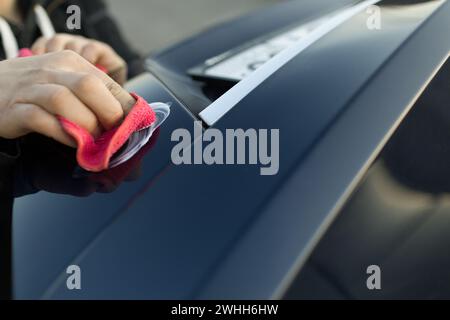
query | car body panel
(197,231)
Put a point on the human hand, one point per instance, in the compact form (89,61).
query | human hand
(96,52)
(35,90)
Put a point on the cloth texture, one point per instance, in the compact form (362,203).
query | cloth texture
(94,154)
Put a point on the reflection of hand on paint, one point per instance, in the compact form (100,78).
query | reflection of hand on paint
(55,169)
(128,171)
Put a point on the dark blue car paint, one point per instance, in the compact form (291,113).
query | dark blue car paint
(225,231)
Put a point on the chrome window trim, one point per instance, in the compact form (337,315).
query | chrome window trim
(232,97)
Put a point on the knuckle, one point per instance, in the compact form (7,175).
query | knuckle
(91,124)
(71,44)
(116,116)
(38,75)
(29,115)
(67,56)
(52,42)
(87,83)
(58,97)
(70,55)
(107,47)
(114,88)
(91,45)
(96,44)
(59,37)
(91,48)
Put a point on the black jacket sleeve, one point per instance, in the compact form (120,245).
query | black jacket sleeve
(8,154)
(9,151)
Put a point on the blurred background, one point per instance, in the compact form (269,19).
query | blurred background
(154,24)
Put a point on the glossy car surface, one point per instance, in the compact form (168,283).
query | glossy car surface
(198,231)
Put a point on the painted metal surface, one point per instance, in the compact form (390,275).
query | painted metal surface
(225,231)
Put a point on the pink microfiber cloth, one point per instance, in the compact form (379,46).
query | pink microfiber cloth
(94,154)
(25,52)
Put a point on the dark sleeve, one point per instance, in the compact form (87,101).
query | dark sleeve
(13,175)
(9,151)
(6,209)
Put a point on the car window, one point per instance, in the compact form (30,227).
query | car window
(398,218)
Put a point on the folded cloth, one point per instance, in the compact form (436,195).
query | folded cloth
(94,154)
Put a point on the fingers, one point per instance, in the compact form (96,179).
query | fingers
(76,46)
(35,119)
(99,53)
(93,52)
(73,62)
(125,99)
(59,100)
(96,91)
(39,47)
(96,52)
(95,95)
(108,58)
(58,43)
(39,88)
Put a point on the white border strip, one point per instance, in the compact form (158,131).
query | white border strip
(232,97)
(43,21)
(9,41)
